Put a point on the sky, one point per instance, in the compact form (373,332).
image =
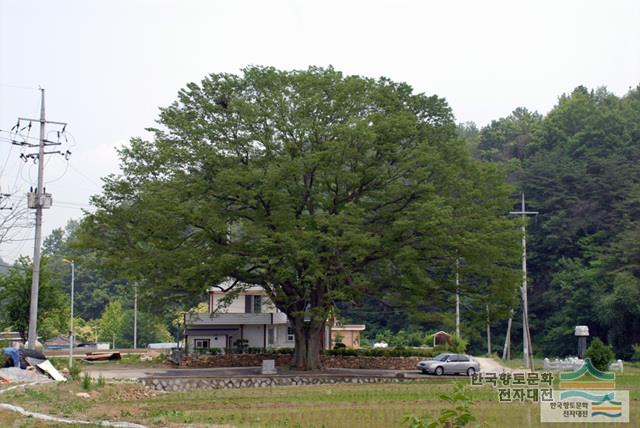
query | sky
(107,67)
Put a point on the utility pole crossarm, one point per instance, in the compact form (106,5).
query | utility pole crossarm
(524,212)
(42,120)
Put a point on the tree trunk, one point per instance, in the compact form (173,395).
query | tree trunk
(308,336)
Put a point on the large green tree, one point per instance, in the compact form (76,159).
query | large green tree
(317,186)
(112,325)
(15,289)
(579,167)
(94,286)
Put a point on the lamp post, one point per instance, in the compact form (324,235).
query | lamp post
(71,332)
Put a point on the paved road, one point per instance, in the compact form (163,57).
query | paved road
(492,366)
(133,373)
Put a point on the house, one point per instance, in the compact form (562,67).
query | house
(58,342)
(349,334)
(10,336)
(248,319)
(441,338)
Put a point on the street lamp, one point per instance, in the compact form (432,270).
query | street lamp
(71,332)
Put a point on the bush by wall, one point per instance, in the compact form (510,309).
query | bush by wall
(379,352)
(600,354)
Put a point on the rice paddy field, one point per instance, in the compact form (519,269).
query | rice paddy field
(372,405)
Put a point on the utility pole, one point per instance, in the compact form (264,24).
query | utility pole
(38,200)
(458,297)
(135,316)
(526,335)
(488,332)
(71,331)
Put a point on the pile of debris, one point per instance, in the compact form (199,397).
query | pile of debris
(94,357)
(27,365)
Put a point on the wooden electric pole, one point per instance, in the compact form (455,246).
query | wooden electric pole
(526,335)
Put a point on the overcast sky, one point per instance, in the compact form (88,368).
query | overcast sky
(107,66)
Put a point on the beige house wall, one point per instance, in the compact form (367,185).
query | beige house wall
(350,338)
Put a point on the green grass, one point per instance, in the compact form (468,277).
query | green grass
(517,363)
(368,405)
(127,361)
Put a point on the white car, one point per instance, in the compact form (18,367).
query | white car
(449,364)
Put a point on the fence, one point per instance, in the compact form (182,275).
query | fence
(571,364)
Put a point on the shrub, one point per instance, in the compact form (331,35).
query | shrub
(379,352)
(339,345)
(439,349)
(458,415)
(74,372)
(241,346)
(601,355)
(404,337)
(5,360)
(101,381)
(86,381)
(285,351)
(458,345)
(636,352)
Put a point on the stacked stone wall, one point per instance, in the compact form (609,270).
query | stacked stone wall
(328,361)
(187,384)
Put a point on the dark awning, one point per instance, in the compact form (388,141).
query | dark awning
(211,331)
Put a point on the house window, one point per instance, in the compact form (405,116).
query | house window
(201,344)
(252,304)
(290,334)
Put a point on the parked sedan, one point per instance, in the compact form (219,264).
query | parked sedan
(449,364)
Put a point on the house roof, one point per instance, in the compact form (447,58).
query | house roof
(10,335)
(58,340)
(350,327)
(211,331)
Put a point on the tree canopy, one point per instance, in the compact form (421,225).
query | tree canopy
(322,188)
(579,166)
(15,288)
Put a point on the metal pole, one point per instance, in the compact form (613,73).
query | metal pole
(35,279)
(135,316)
(458,297)
(72,335)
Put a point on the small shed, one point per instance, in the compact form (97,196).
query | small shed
(441,338)
(58,342)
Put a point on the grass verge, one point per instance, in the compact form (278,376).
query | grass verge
(368,405)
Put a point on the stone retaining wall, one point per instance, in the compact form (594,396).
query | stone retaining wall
(233,360)
(187,384)
(328,361)
(379,363)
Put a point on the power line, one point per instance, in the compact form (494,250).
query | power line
(31,88)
